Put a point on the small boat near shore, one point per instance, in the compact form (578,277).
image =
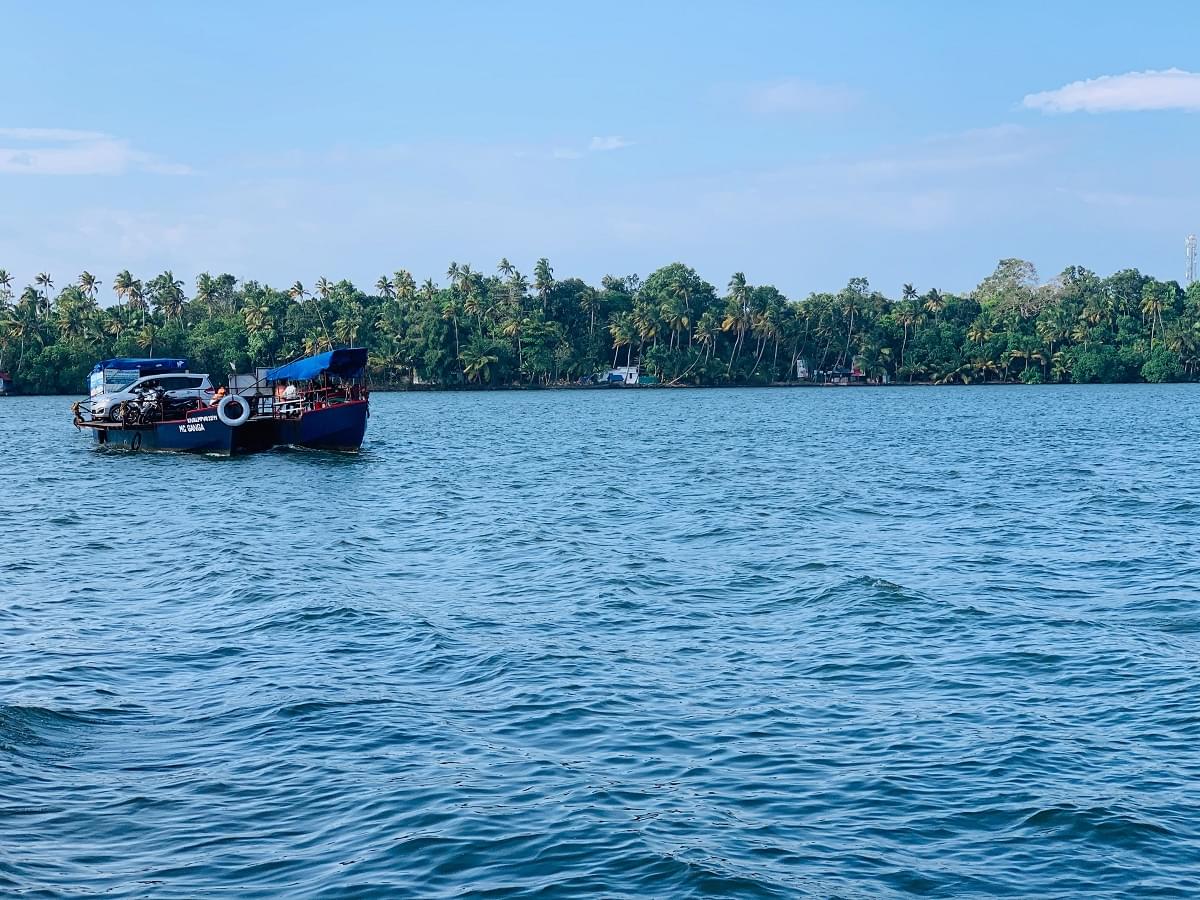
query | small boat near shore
(318,402)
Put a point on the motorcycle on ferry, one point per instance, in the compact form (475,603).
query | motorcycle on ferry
(152,405)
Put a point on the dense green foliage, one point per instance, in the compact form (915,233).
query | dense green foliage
(502,329)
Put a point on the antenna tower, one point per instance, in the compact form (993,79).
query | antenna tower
(1191,260)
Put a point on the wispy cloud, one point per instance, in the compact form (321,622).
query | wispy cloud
(1134,91)
(603,144)
(791,95)
(611,142)
(62,151)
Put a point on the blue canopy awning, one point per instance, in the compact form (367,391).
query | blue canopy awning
(154,364)
(346,362)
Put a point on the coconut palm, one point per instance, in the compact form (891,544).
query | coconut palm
(477,361)
(1154,299)
(46,283)
(166,291)
(907,317)
(706,331)
(135,299)
(934,304)
(543,281)
(404,286)
(89,283)
(623,332)
(737,314)
(122,283)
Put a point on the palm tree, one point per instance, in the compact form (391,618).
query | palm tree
(450,313)
(707,327)
(72,314)
(384,287)
(167,293)
(88,283)
(206,290)
(124,281)
(543,281)
(675,314)
(297,292)
(737,314)
(623,331)
(978,332)
(145,337)
(518,286)
(24,326)
(850,303)
(935,303)
(46,283)
(114,323)
(505,268)
(135,299)
(404,286)
(477,360)
(1153,300)
(324,287)
(906,315)
(513,328)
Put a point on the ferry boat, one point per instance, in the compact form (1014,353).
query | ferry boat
(318,402)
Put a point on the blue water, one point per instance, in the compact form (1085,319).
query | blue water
(746,643)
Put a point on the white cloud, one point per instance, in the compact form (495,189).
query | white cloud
(792,95)
(611,142)
(61,151)
(1166,89)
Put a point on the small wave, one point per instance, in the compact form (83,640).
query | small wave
(1094,825)
(50,731)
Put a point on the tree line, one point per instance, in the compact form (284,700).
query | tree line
(503,328)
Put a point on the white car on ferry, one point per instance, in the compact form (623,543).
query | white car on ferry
(178,385)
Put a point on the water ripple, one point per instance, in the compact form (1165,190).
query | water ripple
(622,644)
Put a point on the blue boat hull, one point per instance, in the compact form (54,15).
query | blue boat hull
(200,432)
(341,426)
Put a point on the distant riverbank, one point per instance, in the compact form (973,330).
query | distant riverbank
(484,329)
(495,388)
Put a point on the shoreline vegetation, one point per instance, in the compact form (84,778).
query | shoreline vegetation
(502,329)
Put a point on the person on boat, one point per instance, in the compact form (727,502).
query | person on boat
(218,396)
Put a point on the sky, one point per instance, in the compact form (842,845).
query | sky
(801,143)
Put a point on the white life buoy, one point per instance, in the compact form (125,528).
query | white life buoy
(240,418)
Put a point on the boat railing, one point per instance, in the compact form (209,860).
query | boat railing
(279,406)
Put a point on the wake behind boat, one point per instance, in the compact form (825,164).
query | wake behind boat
(319,402)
